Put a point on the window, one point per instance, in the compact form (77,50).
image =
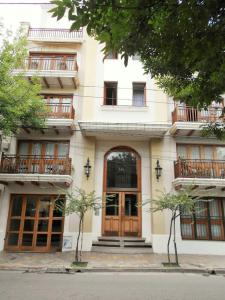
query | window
(206,222)
(45,157)
(205,161)
(44,148)
(203,152)
(122,169)
(111,55)
(139,94)
(60,106)
(110,93)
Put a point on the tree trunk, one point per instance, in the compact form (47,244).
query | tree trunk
(168,243)
(82,233)
(174,238)
(78,239)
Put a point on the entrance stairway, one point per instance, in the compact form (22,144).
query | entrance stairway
(127,245)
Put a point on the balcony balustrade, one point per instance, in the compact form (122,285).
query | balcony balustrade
(191,114)
(60,111)
(49,63)
(31,164)
(199,168)
(49,34)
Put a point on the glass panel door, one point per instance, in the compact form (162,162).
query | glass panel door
(112,219)
(14,222)
(201,215)
(195,152)
(220,152)
(43,221)
(54,104)
(66,104)
(49,158)
(29,220)
(36,155)
(130,217)
(34,223)
(131,205)
(208,166)
(182,152)
(216,220)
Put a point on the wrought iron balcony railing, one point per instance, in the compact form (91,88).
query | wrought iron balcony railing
(54,33)
(51,63)
(60,111)
(201,168)
(191,114)
(31,164)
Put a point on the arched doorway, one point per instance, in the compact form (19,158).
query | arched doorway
(122,193)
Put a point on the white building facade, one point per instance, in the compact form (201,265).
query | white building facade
(117,118)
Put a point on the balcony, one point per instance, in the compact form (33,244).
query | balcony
(60,111)
(57,71)
(200,172)
(29,168)
(55,35)
(138,131)
(188,121)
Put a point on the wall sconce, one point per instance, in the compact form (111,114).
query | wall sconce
(87,168)
(158,170)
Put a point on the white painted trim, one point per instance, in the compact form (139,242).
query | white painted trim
(1,240)
(117,108)
(186,126)
(147,129)
(33,177)
(59,122)
(199,181)
(56,40)
(48,73)
(159,243)
(87,240)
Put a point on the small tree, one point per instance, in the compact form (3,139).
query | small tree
(20,100)
(176,202)
(78,202)
(216,128)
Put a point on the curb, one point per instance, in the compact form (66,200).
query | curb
(114,270)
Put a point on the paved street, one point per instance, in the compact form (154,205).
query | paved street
(151,286)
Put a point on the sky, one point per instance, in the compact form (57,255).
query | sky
(36,14)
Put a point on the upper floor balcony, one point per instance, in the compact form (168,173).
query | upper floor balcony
(202,168)
(55,70)
(188,121)
(208,173)
(55,35)
(61,112)
(35,169)
(59,117)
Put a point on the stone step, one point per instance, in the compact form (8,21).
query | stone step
(133,240)
(125,239)
(125,245)
(121,250)
(109,239)
(106,243)
(137,245)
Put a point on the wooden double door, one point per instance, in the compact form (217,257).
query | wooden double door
(122,214)
(122,193)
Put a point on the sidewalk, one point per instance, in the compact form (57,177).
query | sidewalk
(106,262)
